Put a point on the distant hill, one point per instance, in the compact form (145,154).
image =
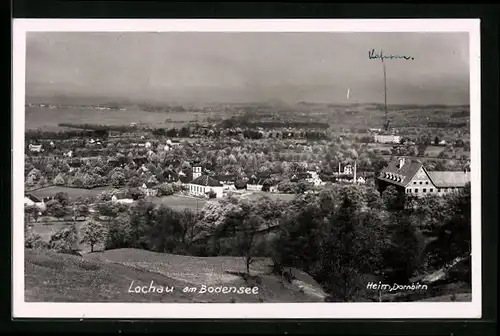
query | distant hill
(362,116)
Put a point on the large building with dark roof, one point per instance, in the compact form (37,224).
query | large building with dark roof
(411,178)
(202,185)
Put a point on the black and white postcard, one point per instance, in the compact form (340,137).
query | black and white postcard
(246,168)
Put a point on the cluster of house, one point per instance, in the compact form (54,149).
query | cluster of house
(410,177)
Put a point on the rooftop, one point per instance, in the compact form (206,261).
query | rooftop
(33,198)
(400,176)
(444,179)
(206,181)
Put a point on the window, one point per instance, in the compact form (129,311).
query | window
(426,182)
(424,190)
(420,182)
(439,190)
(414,182)
(416,190)
(431,190)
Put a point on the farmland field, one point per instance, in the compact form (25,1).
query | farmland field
(107,277)
(433,151)
(49,228)
(72,192)
(419,158)
(254,196)
(179,202)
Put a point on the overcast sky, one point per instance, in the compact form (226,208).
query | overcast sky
(242,67)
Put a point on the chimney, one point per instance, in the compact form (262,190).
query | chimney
(355,166)
(401,162)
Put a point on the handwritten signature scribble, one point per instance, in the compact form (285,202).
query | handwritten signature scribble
(372,54)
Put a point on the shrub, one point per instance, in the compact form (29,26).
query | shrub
(94,233)
(34,241)
(66,240)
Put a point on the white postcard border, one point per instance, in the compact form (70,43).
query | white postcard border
(429,310)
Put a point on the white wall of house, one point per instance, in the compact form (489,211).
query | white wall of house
(28,202)
(198,190)
(421,185)
(254,187)
(316,181)
(40,205)
(196,172)
(387,138)
(122,201)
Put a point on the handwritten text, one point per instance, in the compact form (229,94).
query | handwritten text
(372,54)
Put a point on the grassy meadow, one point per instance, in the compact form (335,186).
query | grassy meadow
(107,276)
(73,193)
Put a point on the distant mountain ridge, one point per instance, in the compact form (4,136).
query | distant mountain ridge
(94,100)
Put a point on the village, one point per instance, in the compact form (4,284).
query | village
(143,164)
(200,188)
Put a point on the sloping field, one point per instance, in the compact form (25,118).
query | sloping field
(54,277)
(179,202)
(256,195)
(433,151)
(195,270)
(107,277)
(217,271)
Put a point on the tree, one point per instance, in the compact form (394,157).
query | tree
(166,189)
(55,209)
(118,232)
(351,247)
(391,198)
(31,211)
(188,228)
(336,244)
(65,240)
(246,227)
(62,198)
(141,217)
(453,237)
(136,193)
(373,199)
(405,251)
(212,194)
(82,210)
(436,140)
(94,232)
(77,182)
(59,180)
(33,240)
(165,231)
(117,178)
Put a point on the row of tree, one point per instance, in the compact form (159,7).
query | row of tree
(342,237)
